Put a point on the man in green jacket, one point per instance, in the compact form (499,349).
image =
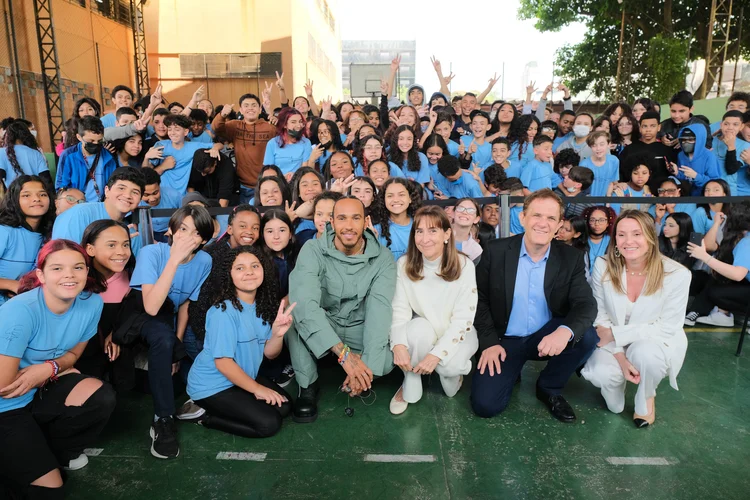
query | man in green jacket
(343,284)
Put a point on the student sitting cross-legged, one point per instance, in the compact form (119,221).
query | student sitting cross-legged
(244,325)
(435,299)
(48,411)
(168,274)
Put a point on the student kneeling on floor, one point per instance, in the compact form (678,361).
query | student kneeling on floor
(49,412)
(245,323)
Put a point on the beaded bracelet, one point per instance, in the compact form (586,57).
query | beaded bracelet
(344,354)
(55,369)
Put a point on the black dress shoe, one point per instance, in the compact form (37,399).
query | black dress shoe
(306,406)
(557,405)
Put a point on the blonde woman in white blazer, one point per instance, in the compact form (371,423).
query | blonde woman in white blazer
(433,309)
(641,296)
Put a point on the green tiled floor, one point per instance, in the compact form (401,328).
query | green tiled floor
(702,431)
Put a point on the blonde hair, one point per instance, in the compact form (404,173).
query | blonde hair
(654,263)
(450,264)
(591,140)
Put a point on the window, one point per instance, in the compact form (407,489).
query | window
(229,65)
(116,10)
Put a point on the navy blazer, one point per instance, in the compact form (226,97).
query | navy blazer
(568,294)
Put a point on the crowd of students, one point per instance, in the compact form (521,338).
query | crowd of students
(205,300)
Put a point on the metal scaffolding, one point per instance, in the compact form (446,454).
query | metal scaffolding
(45,34)
(719,24)
(139,43)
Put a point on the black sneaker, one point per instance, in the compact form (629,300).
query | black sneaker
(164,438)
(286,377)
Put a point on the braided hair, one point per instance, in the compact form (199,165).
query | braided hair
(415,194)
(18,132)
(267,296)
(412,156)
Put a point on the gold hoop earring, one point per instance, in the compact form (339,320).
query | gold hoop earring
(617,252)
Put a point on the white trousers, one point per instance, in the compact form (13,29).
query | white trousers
(422,338)
(603,371)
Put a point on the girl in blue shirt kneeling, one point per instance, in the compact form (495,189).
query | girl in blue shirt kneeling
(246,323)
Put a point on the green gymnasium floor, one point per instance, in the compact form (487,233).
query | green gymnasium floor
(699,447)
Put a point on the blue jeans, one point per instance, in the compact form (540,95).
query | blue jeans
(246,194)
(193,347)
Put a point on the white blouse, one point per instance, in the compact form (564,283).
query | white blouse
(449,307)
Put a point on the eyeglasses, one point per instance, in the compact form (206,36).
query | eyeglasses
(667,191)
(73,200)
(373,148)
(598,221)
(465,210)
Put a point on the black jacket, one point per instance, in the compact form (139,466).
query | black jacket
(568,294)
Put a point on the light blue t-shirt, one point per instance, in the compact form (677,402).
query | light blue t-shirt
(169,199)
(452,148)
(421,176)
(289,158)
(631,193)
(304,225)
(465,186)
(187,280)
(515,221)
(483,155)
(537,175)
(18,250)
(559,140)
(399,237)
(109,120)
(720,150)
(604,175)
(393,172)
(72,223)
(526,157)
(241,336)
(177,178)
(685,208)
(741,254)
(31,161)
(701,222)
(597,250)
(204,137)
(101,182)
(34,334)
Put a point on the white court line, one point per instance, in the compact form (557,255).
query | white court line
(240,455)
(93,452)
(399,458)
(639,461)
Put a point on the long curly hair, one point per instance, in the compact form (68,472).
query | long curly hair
(609,212)
(266,297)
(416,128)
(384,216)
(519,132)
(10,208)
(18,132)
(412,156)
(360,152)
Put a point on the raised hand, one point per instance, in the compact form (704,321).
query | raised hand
(183,245)
(436,65)
(368,225)
(283,319)
(433,118)
(198,94)
(289,209)
(227,110)
(492,81)
(547,90)
(309,88)
(531,88)
(266,93)
(383,86)
(156,98)
(342,185)
(395,63)
(472,148)
(449,78)
(280,81)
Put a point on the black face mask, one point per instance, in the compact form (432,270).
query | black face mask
(294,134)
(92,148)
(326,145)
(688,147)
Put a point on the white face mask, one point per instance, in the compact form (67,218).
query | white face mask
(571,189)
(581,130)
(33,132)
(493,114)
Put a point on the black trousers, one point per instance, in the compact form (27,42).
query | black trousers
(46,434)
(732,296)
(490,395)
(238,412)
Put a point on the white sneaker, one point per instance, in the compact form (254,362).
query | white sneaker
(690,318)
(717,318)
(398,407)
(78,463)
(190,411)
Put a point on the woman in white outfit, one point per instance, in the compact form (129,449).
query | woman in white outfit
(433,309)
(641,296)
